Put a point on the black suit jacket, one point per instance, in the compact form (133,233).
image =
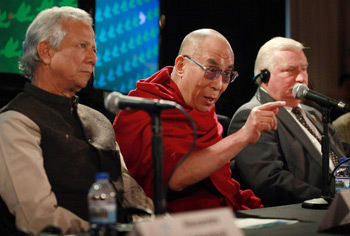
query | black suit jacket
(283,167)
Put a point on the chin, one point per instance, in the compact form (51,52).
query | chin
(203,109)
(292,104)
(83,85)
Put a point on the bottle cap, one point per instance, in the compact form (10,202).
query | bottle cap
(343,159)
(102,175)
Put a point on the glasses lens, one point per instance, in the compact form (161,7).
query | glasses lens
(212,72)
(227,76)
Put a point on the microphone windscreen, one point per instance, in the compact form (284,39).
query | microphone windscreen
(299,91)
(111,102)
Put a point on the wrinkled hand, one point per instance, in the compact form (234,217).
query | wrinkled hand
(261,118)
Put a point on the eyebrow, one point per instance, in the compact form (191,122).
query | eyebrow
(215,63)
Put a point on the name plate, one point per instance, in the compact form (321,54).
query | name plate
(213,222)
(338,213)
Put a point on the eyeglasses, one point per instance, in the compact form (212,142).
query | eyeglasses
(211,73)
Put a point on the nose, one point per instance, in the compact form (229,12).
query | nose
(91,57)
(302,77)
(217,83)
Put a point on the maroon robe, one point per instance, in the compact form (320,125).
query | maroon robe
(134,136)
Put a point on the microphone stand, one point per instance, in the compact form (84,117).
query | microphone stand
(326,198)
(157,154)
(326,193)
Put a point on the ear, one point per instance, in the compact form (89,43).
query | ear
(45,52)
(179,65)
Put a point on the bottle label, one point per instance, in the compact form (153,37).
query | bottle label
(103,212)
(342,183)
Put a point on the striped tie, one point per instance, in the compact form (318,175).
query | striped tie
(300,117)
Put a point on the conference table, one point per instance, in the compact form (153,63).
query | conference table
(308,221)
(307,224)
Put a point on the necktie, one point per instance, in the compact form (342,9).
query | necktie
(300,117)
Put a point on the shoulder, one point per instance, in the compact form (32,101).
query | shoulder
(21,100)
(241,115)
(260,97)
(343,120)
(11,118)
(97,125)
(89,113)
(246,108)
(14,125)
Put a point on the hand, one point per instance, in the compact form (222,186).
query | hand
(261,118)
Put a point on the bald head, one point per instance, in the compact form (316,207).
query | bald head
(202,50)
(193,41)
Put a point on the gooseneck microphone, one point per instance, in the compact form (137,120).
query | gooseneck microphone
(115,102)
(301,91)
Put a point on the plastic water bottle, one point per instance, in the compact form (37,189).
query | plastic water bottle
(102,206)
(342,176)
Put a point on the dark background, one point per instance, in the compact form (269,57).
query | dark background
(247,24)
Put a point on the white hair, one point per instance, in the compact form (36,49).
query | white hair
(266,56)
(47,27)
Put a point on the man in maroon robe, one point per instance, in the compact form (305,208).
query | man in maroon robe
(202,71)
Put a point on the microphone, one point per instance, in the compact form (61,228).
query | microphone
(301,91)
(115,101)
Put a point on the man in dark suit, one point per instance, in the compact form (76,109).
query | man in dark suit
(284,166)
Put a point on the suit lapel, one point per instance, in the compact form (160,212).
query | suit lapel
(292,126)
(319,125)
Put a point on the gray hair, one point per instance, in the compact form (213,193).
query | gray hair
(47,27)
(266,56)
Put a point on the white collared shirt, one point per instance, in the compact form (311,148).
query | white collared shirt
(314,141)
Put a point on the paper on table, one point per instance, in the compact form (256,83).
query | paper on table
(338,212)
(254,223)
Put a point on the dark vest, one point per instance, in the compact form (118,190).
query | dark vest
(76,142)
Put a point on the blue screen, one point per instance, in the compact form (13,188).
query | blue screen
(127,43)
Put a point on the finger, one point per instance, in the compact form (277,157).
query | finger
(272,105)
(274,122)
(264,113)
(269,122)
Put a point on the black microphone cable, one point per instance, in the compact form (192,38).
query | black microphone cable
(189,152)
